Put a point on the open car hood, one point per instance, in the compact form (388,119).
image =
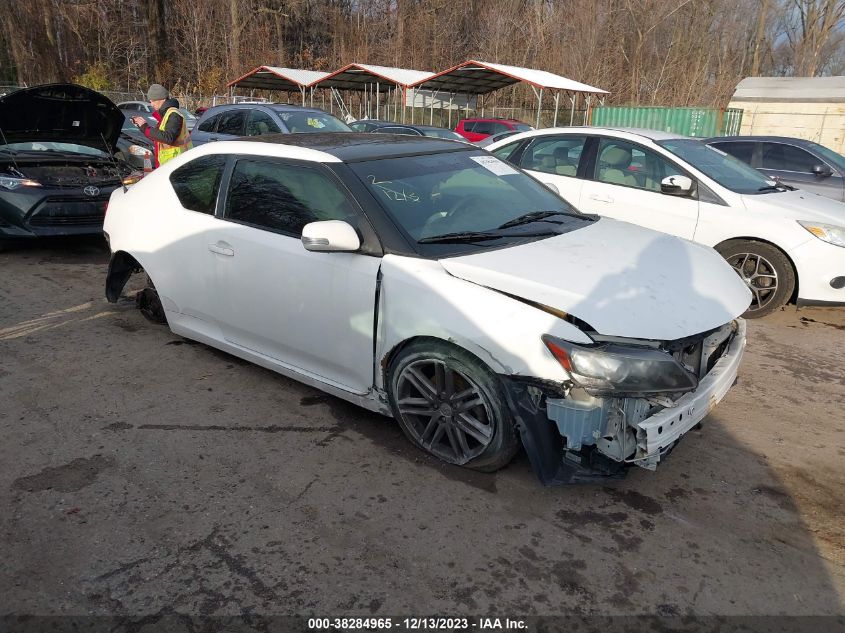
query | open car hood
(621,279)
(64,113)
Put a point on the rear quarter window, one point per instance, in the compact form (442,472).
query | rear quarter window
(197,183)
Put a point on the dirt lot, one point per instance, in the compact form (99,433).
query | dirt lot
(141,474)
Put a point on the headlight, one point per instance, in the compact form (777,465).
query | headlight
(826,232)
(138,150)
(132,178)
(10,182)
(614,369)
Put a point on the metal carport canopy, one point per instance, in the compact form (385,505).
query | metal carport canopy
(474,77)
(357,76)
(362,78)
(481,78)
(276,78)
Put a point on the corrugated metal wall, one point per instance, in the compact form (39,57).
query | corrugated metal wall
(698,122)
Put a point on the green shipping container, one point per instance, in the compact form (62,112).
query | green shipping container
(697,122)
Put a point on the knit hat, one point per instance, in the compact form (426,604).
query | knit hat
(156,92)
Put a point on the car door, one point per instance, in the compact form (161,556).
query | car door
(625,184)
(795,166)
(231,125)
(555,159)
(311,312)
(181,266)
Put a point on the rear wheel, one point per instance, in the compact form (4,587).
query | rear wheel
(766,271)
(149,304)
(452,406)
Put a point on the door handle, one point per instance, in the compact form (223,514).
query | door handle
(599,198)
(221,248)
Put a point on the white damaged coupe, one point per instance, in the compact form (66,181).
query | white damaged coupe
(429,281)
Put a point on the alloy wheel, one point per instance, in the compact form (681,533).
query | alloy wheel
(759,275)
(446,412)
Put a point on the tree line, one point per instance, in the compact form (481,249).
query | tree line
(661,52)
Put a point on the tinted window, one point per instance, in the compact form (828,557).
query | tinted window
(232,122)
(438,133)
(284,198)
(131,107)
(741,150)
(298,122)
(398,130)
(196,183)
(623,163)
(358,126)
(483,127)
(787,158)
(500,127)
(209,124)
(469,126)
(260,123)
(556,155)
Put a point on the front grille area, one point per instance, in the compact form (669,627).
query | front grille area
(69,212)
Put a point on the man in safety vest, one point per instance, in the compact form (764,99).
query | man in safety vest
(170,138)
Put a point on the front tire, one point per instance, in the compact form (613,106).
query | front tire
(765,269)
(451,405)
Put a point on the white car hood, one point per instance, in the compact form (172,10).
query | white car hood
(797,205)
(623,280)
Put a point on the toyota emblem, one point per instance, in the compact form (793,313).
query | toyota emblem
(91,190)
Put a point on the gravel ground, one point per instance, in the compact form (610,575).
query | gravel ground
(142,474)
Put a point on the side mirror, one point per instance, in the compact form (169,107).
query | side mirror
(330,236)
(553,188)
(676,186)
(822,170)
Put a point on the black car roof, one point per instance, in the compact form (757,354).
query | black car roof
(351,147)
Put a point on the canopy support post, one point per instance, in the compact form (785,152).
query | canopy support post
(557,101)
(377,101)
(587,108)
(574,100)
(451,96)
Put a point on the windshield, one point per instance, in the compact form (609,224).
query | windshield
(50,146)
(522,127)
(438,133)
(298,122)
(467,198)
(838,160)
(726,170)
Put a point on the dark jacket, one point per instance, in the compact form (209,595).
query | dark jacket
(174,124)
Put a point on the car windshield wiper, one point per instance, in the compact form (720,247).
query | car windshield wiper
(476,236)
(777,187)
(537,216)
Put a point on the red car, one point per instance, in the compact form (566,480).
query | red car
(476,129)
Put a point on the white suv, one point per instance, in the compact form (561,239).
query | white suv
(784,243)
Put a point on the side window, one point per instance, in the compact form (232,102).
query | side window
(469,126)
(398,130)
(196,183)
(742,150)
(232,122)
(209,124)
(483,127)
(505,151)
(556,155)
(623,163)
(788,158)
(260,123)
(130,107)
(284,198)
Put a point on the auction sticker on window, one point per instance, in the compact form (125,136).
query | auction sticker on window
(491,163)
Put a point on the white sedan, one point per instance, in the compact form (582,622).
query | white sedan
(429,281)
(783,243)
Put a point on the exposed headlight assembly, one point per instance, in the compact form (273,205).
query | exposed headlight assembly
(10,182)
(613,369)
(138,150)
(826,232)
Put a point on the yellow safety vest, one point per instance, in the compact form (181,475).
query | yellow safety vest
(182,143)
